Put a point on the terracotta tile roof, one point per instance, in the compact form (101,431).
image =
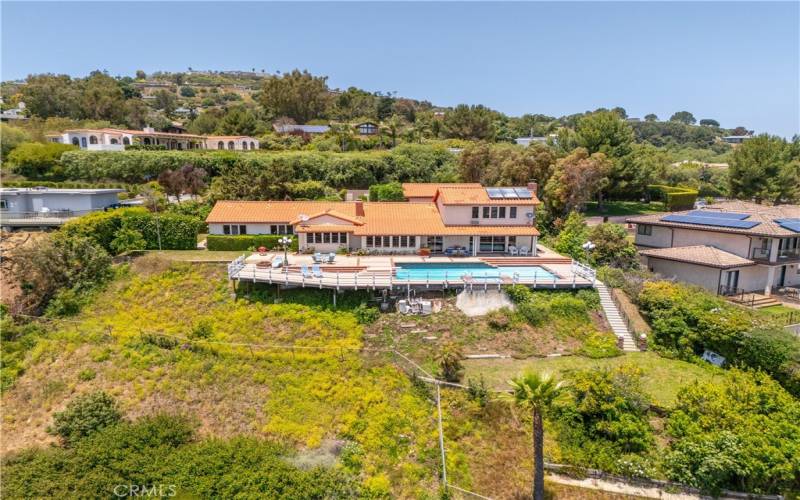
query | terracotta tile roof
(469,195)
(226,137)
(274,211)
(332,213)
(763,214)
(704,255)
(120,131)
(381,218)
(428,189)
(325,228)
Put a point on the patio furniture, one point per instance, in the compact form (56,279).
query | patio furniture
(277,262)
(317,257)
(304,271)
(523,251)
(455,251)
(512,250)
(331,257)
(315,269)
(263,264)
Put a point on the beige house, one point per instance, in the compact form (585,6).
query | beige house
(727,248)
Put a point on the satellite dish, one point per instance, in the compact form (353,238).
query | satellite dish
(529,215)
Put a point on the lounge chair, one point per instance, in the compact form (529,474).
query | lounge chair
(277,262)
(331,258)
(315,269)
(523,251)
(317,257)
(512,250)
(304,271)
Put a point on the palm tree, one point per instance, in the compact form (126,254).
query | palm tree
(536,392)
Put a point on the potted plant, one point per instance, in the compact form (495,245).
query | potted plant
(424,252)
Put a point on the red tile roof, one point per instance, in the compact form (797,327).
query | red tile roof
(703,255)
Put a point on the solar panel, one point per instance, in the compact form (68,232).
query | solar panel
(718,215)
(790,224)
(494,193)
(710,221)
(508,192)
(523,192)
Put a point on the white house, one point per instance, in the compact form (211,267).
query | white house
(112,139)
(467,218)
(51,207)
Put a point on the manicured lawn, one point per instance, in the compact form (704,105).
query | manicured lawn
(198,255)
(776,310)
(624,208)
(661,377)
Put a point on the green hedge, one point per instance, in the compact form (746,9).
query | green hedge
(177,232)
(66,184)
(247,241)
(674,197)
(241,172)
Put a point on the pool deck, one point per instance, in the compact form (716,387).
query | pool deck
(379,272)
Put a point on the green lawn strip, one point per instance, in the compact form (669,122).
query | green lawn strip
(661,377)
(624,208)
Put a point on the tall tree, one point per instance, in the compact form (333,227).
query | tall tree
(604,132)
(298,95)
(709,122)
(51,95)
(102,98)
(651,117)
(536,392)
(764,168)
(166,100)
(469,122)
(683,117)
(576,179)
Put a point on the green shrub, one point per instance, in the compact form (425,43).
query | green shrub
(366,314)
(202,330)
(392,191)
(35,159)
(127,239)
(535,312)
(247,242)
(600,345)
(86,375)
(518,293)
(499,319)
(85,415)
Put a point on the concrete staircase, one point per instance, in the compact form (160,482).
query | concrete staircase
(615,318)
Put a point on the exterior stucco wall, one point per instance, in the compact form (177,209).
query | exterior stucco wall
(24,201)
(461,215)
(661,237)
(738,244)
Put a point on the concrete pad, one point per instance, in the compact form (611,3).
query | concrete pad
(480,303)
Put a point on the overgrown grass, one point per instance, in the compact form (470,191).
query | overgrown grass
(661,377)
(318,389)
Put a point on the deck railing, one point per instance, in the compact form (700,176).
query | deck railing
(60,215)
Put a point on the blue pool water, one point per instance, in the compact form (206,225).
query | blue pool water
(479,271)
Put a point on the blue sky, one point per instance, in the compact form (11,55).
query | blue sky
(736,62)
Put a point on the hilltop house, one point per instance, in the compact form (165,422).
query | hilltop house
(112,139)
(728,248)
(466,217)
(291,128)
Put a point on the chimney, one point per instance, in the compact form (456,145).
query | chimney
(359,208)
(533,187)
(148,130)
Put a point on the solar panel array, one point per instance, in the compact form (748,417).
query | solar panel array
(710,221)
(790,224)
(718,215)
(509,193)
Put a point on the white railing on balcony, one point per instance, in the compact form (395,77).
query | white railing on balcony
(584,271)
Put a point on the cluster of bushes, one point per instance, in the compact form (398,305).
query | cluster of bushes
(248,242)
(105,455)
(128,229)
(39,160)
(686,321)
(674,197)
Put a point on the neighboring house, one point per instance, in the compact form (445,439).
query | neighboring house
(13,114)
(728,247)
(527,141)
(51,207)
(232,142)
(481,220)
(112,139)
(736,139)
(366,128)
(300,129)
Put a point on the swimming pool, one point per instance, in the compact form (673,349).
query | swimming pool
(454,271)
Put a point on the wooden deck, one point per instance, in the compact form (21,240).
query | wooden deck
(381,276)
